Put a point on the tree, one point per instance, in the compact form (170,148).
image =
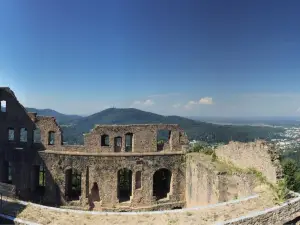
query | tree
(291,173)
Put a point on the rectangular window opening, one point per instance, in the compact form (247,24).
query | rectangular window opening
(163,136)
(51,138)
(138,180)
(3,106)
(9,173)
(104,140)
(42,179)
(128,142)
(37,136)
(23,135)
(11,134)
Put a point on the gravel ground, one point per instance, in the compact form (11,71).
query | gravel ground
(199,217)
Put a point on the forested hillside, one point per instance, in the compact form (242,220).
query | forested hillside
(195,129)
(60,118)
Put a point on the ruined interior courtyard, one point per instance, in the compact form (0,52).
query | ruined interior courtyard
(119,166)
(137,167)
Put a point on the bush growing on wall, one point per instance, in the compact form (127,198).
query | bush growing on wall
(202,147)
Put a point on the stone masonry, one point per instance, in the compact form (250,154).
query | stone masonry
(260,155)
(119,167)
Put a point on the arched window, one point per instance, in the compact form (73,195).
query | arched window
(37,136)
(51,138)
(161,183)
(104,140)
(128,142)
(124,185)
(3,106)
(23,135)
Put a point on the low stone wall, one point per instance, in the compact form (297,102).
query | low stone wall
(5,219)
(206,184)
(277,215)
(259,155)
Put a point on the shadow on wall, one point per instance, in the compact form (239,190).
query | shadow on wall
(293,222)
(10,208)
(94,196)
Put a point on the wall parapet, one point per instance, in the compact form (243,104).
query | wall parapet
(275,216)
(117,154)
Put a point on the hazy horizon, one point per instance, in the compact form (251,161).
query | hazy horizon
(191,117)
(188,58)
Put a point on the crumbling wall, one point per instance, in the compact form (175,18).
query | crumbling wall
(144,137)
(16,118)
(48,124)
(259,155)
(104,170)
(21,155)
(207,185)
(93,164)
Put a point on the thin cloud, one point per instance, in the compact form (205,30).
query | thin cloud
(147,102)
(176,105)
(206,101)
(163,95)
(202,101)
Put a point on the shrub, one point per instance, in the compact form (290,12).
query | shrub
(281,191)
(204,148)
(292,174)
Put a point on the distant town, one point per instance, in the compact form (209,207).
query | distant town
(290,138)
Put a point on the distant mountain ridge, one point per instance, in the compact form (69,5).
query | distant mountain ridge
(74,126)
(60,117)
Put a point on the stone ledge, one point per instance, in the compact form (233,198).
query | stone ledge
(274,215)
(140,213)
(17,220)
(113,154)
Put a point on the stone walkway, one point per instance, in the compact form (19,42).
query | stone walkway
(203,216)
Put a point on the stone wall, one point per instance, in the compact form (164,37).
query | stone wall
(104,171)
(205,184)
(259,155)
(24,161)
(144,137)
(277,215)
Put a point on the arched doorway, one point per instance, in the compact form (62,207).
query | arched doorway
(95,192)
(161,183)
(124,185)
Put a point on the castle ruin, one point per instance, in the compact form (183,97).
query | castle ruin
(119,167)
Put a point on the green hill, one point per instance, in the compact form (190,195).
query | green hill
(60,118)
(195,129)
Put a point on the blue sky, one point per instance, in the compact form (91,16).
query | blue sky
(190,58)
